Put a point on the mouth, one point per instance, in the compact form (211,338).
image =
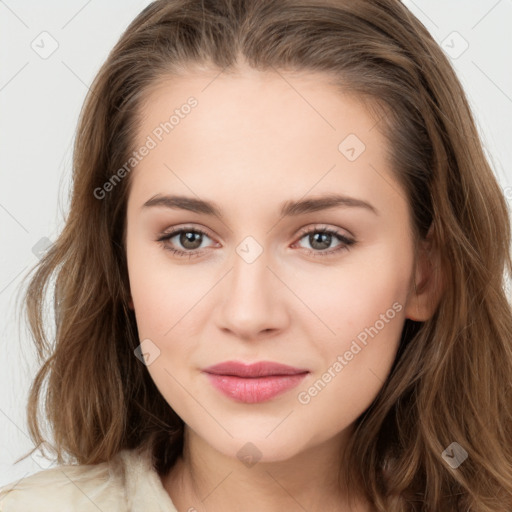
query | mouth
(254,383)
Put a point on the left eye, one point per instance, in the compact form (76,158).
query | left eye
(191,240)
(321,239)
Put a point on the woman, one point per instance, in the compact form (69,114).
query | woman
(281,281)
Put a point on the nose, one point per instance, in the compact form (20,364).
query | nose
(252,299)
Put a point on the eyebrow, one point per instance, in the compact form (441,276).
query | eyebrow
(288,208)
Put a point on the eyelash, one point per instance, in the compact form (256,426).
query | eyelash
(344,246)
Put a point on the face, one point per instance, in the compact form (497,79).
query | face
(273,274)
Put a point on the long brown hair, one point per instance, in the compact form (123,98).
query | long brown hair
(452,378)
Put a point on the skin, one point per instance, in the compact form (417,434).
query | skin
(254,141)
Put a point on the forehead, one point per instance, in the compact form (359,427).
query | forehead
(271,131)
(262,102)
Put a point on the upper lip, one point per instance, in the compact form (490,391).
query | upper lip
(258,369)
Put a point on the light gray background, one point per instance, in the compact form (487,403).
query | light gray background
(40,99)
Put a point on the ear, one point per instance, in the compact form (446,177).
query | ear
(130,303)
(428,284)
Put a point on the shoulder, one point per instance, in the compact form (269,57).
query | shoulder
(80,488)
(126,483)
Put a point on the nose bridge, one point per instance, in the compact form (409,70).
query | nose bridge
(251,302)
(249,282)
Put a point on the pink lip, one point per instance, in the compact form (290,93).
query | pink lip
(255,382)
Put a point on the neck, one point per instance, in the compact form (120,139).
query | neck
(206,479)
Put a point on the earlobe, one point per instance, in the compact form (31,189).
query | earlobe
(428,284)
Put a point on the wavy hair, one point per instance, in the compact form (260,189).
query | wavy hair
(452,377)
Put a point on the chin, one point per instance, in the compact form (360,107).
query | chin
(255,447)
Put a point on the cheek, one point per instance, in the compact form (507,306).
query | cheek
(356,363)
(151,298)
(364,306)
(162,298)
(352,296)
(162,293)
(170,310)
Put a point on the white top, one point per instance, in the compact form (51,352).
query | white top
(127,483)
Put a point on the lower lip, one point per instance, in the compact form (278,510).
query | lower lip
(254,390)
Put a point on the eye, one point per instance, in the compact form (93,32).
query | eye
(191,240)
(320,239)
